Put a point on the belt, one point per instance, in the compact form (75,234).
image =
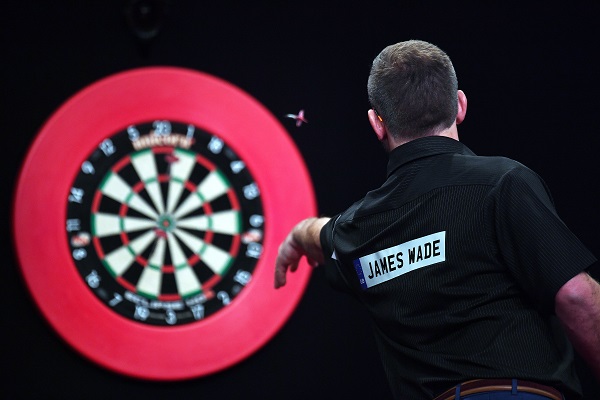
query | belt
(489,385)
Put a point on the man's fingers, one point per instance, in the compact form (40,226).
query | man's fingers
(294,266)
(282,264)
(281,269)
(280,272)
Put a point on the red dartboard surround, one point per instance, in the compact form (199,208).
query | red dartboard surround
(52,252)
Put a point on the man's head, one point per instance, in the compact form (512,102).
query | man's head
(413,87)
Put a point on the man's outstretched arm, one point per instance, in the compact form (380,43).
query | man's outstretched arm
(303,240)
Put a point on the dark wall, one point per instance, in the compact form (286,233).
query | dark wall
(529,73)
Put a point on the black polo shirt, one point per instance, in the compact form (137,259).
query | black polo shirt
(458,259)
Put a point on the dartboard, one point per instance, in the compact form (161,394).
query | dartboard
(147,218)
(165,223)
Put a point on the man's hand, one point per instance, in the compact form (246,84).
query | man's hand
(303,240)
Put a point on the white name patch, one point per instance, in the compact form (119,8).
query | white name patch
(392,262)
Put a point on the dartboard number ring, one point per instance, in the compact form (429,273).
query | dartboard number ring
(165,223)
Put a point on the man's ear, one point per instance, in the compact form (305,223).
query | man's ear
(462,107)
(377,125)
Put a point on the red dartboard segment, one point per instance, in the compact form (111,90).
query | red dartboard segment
(54,160)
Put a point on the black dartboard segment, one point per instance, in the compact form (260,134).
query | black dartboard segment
(147,217)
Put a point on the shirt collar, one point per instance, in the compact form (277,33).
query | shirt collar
(424,147)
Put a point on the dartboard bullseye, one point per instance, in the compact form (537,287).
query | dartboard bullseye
(175,221)
(147,217)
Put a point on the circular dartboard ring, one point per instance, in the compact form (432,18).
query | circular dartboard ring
(142,281)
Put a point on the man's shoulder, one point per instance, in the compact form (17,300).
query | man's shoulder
(443,174)
(493,163)
(487,169)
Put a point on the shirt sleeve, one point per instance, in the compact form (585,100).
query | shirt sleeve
(537,247)
(332,266)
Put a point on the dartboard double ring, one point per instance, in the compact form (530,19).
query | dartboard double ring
(147,217)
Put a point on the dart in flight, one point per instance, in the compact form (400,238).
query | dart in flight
(298,117)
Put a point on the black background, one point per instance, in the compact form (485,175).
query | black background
(529,72)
